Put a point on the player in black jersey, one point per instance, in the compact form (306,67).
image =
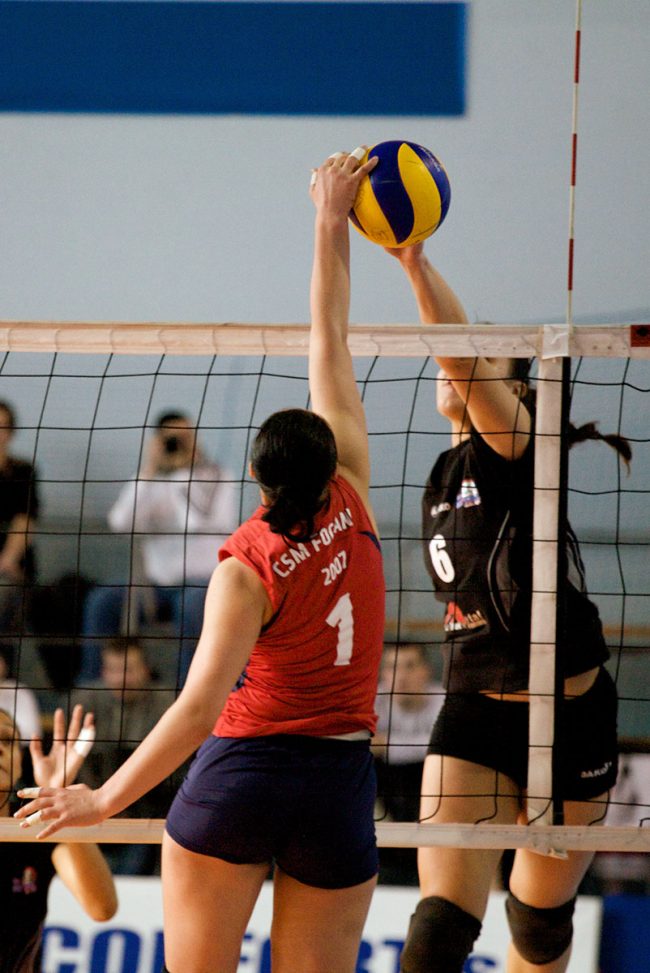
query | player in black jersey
(477,525)
(27,868)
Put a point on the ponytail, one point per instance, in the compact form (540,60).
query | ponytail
(291,516)
(293,459)
(589,430)
(577,434)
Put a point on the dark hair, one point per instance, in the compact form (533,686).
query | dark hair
(293,459)
(421,648)
(520,368)
(7,653)
(168,417)
(10,413)
(580,434)
(122,644)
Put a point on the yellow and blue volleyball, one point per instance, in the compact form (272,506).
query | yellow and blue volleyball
(404,199)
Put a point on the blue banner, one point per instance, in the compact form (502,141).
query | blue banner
(252,58)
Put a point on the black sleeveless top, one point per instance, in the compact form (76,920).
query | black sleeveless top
(477,525)
(25,876)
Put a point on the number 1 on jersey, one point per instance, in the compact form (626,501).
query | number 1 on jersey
(341,617)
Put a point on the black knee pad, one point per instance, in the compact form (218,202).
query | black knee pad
(540,935)
(440,937)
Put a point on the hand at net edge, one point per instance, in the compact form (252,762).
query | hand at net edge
(59,807)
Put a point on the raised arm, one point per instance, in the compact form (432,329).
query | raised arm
(492,401)
(437,302)
(236,608)
(332,383)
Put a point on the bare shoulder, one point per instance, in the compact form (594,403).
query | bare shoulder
(232,571)
(360,486)
(237,584)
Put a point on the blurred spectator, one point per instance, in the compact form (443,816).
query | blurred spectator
(185,506)
(56,625)
(18,700)
(18,511)
(127,702)
(408,702)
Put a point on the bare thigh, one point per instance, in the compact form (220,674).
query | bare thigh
(546,882)
(322,927)
(207,903)
(457,791)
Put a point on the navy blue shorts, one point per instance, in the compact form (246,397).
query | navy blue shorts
(494,733)
(305,803)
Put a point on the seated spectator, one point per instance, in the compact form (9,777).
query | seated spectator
(408,702)
(18,700)
(18,511)
(127,704)
(185,506)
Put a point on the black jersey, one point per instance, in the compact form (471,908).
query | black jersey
(477,515)
(26,870)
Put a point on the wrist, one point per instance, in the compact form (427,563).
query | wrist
(413,262)
(331,221)
(102,803)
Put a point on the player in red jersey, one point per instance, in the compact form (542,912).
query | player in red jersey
(294,620)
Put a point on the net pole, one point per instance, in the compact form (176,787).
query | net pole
(548,426)
(561,582)
(551,475)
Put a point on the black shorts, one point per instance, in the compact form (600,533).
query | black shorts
(494,733)
(302,802)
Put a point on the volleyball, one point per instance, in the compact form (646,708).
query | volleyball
(404,199)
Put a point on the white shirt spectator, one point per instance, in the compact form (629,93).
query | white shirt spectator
(185,516)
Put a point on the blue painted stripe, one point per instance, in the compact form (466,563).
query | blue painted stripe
(254,58)
(387,185)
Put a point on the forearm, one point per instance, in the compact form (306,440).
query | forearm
(437,303)
(178,733)
(17,539)
(330,283)
(85,872)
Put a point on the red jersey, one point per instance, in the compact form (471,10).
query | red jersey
(314,668)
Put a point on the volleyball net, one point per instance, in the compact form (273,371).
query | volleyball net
(88,399)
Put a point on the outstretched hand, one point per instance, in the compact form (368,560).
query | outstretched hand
(334,185)
(68,751)
(59,807)
(52,801)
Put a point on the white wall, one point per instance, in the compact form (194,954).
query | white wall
(208,219)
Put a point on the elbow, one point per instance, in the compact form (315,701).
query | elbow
(104,908)
(198,717)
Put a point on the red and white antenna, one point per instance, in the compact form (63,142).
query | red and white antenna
(574,158)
